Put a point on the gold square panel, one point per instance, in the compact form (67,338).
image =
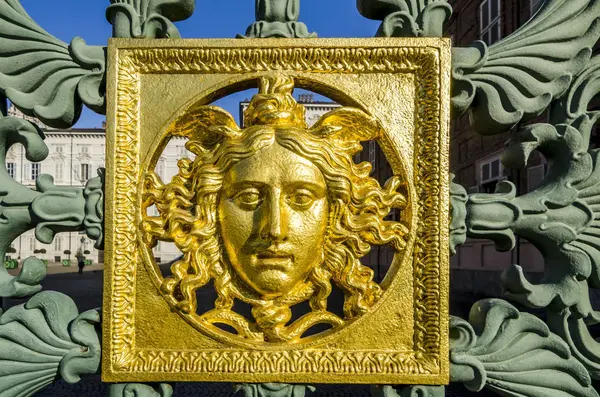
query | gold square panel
(275,214)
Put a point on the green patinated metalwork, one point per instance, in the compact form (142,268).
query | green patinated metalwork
(458,215)
(408,391)
(43,339)
(407,18)
(278,18)
(514,79)
(140,390)
(514,353)
(50,209)
(148,19)
(559,217)
(510,352)
(273,390)
(45,77)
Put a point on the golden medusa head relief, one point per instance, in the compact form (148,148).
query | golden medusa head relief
(274,214)
(276,219)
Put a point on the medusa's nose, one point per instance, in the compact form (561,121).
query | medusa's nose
(274,218)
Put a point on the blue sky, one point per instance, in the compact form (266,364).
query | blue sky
(66,19)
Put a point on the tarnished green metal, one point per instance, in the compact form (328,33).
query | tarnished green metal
(560,216)
(45,77)
(458,215)
(140,390)
(547,63)
(50,209)
(408,391)
(514,354)
(148,19)
(43,339)
(278,18)
(514,79)
(273,390)
(407,18)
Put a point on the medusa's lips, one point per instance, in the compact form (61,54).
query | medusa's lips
(275,259)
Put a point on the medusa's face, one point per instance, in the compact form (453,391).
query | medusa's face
(273,215)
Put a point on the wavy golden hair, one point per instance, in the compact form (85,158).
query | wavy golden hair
(358,205)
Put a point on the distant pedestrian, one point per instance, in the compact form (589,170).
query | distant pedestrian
(80,264)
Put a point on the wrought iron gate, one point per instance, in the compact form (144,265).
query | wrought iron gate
(546,64)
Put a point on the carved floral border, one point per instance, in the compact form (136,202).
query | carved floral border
(430,281)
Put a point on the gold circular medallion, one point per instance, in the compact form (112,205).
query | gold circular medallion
(271,216)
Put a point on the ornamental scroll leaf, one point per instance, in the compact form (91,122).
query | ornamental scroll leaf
(518,77)
(51,80)
(513,354)
(272,390)
(45,338)
(148,19)
(45,77)
(140,390)
(408,391)
(15,198)
(560,218)
(50,209)
(458,215)
(407,18)
(277,18)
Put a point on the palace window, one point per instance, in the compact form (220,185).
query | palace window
(57,243)
(489,15)
(85,172)
(536,175)
(181,151)
(11,168)
(59,171)
(490,173)
(59,148)
(35,170)
(84,149)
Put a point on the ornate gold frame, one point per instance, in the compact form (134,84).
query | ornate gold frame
(144,340)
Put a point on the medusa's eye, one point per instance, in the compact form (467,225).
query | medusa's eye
(248,199)
(300,199)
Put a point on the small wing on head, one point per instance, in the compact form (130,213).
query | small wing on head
(205,126)
(347,125)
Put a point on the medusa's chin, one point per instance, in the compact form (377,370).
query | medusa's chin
(271,282)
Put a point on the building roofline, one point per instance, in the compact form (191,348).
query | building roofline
(73,129)
(50,131)
(302,103)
